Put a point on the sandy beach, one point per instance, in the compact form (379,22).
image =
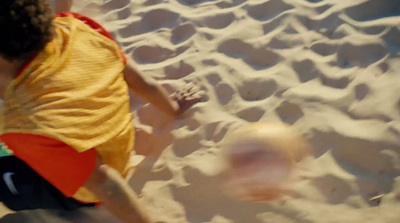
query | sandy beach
(328,67)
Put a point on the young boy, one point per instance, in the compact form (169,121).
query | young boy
(65,114)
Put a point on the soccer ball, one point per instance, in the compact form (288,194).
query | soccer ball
(260,160)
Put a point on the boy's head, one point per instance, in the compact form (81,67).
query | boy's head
(25,28)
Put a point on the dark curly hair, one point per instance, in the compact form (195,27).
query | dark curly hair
(25,27)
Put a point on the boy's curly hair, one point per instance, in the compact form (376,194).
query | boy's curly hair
(25,27)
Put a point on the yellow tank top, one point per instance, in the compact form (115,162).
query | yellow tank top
(74,91)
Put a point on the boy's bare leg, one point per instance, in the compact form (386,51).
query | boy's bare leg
(116,194)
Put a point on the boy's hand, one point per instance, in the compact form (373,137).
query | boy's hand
(146,87)
(186,97)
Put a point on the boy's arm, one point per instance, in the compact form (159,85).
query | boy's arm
(148,88)
(62,6)
(116,194)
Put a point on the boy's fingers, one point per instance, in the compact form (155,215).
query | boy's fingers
(198,95)
(193,91)
(194,97)
(191,86)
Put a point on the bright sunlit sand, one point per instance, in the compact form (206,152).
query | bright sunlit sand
(329,67)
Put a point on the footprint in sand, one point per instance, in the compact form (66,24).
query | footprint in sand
(151,54)
(253,114)
(150,21)
(229,4)
(186,145)
(273,24)
(268,10)
(361,54)
(374,9)
(182,33)
(219,21)
(213,78)
(374,29)
(257,89)
(340,82)
(216,131)
(193,2)
(278,44)
(178,70)
(323,8)
(361,91)
(392,39)
(210,62)
(306,70)
(257,58)
(225,93)
(262,58)
(289,113)
(223,90)
(314,1)
(324,49)
(235,48)
(335,189)
(159,18)
(152,2)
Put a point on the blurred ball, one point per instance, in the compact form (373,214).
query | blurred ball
(260,161)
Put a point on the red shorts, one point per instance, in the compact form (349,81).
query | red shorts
(21,188)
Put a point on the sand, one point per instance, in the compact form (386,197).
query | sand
(328,67)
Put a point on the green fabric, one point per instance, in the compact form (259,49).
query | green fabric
(4,151)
